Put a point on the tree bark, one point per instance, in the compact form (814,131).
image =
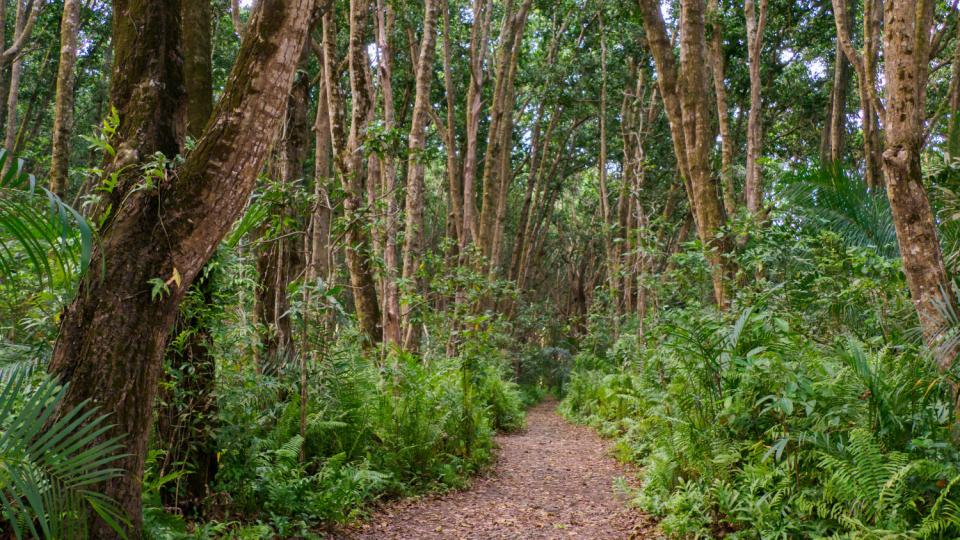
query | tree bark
(413,229)
(906,51)
(753,185)
(835,126)
(349,162)
(684,95)
(719,65)
(953,127)
(865,66)
(478,51)
(187,414)
(16,72)
(63,109)
(114,333)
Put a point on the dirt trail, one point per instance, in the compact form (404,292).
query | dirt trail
(551,481)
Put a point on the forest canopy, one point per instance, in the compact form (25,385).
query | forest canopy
(270,266)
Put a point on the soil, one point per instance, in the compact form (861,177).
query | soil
(552,480)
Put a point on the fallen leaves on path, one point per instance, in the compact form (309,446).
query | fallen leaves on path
(552,481)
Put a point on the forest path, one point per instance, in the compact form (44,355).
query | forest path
(553,480)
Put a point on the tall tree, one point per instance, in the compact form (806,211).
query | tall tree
(685,96)
(753,185)
(718,61)
(835,128)
(63,111)
(906,47)
(413,230)
(188,412)
(349,160)
(865,65)
(113,334)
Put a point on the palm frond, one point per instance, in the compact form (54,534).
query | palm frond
(49,466)
(37,229)
(842,203)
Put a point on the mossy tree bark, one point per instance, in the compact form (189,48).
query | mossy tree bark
(113,335)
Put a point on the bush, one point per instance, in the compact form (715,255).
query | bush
(746,428)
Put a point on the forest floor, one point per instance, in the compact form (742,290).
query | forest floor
(552,480)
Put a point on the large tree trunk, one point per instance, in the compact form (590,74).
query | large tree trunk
(753,186)
(413,231)
(63,110)
(114,333)
(906,50)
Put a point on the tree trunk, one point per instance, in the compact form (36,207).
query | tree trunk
(13,94)
(906,50)
(413,230)
(719,64)
(63,110)
(349,161)
(835,128)
(478,52)
(113,335)
(187,414)
(753,186)
(613,266)
(865,66)
(320,257)
(388,182)
(697,136)
(953,129)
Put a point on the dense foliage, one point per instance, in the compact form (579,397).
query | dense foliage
(809,410)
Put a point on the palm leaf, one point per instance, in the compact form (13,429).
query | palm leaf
(843,204)
(48,465)
(37,229)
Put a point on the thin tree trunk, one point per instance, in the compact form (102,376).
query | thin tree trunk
(684,95)
(349,162)
(115,331)
(63,110)
(719,65)
(16,72)
(865,67)
(454,176)
(388,169)
(413,231)
(478,51)
(953,130)
(753,186)
(613,266)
